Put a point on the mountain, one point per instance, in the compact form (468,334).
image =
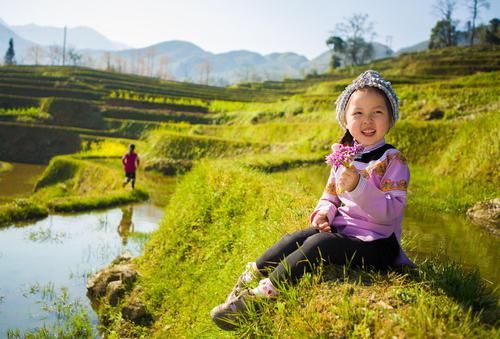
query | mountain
(177,60)
(77,37)
(182,60)
(421,46)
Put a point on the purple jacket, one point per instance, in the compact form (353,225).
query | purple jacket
(374,209)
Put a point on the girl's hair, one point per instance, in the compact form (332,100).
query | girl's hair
(347,139)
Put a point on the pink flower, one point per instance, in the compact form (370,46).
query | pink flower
(343,155)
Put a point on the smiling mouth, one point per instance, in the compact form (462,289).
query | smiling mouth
(368,132)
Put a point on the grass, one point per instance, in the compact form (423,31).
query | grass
(171,145)
(238,214)
(92,202)
(27,115)
(21,210)
(69,184)
(5,167)
(371,304)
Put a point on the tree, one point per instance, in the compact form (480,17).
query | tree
(9,58)
(492,35)
(338,47)
(35,54)
(55,54)
(444,34)
(475,6)
(163,68)
(204,70)
(107,61)
(151,55)
(350,41)
(75,57)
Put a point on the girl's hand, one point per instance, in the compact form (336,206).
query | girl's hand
(320,221)
(349,179)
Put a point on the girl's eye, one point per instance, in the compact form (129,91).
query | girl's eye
(356,113)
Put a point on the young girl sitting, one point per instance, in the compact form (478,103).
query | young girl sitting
(357,219)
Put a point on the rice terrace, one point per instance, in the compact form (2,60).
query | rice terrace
(226,171)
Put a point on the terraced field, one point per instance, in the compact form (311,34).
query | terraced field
(238,146)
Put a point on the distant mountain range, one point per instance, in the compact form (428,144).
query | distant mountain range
(78,37)
(179,60)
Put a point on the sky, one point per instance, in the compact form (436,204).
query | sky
(263,26)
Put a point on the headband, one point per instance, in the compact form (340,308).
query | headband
(368,78)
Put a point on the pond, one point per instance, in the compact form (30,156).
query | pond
(19,181)
(39,259)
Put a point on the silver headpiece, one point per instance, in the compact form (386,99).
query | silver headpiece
(368,78)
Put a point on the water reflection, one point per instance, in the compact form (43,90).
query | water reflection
(64,250)
(449,236)
(19,181)
(126,226)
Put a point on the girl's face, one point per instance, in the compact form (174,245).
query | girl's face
(367,116)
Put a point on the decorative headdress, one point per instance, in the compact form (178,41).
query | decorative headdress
(368,78)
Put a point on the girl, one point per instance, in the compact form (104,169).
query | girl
(357,219)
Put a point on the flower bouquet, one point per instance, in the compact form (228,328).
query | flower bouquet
(343,156)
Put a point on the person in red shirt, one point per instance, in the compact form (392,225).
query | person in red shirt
(130,163)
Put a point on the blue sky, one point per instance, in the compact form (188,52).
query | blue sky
(263,26)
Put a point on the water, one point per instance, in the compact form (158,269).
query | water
(19,182)
(451,236)
(430,234)
(61,251)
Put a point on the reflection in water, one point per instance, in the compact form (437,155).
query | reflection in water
(448,236)
(63,250)
(126,225)
(19,182)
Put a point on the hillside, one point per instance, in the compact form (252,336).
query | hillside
(245,154)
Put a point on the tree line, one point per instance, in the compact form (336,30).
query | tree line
(351,43)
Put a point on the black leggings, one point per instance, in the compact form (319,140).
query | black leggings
(300,252)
